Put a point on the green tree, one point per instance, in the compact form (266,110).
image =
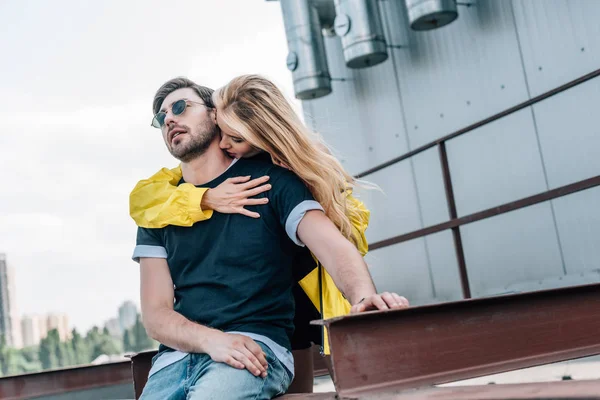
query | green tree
(81,351)
(62,357)
(107,345)
(141,340)
(100,342)
(5,356)
(48,350)
(31,354)
(127,342)
(16,362)
(29,359)
(66,355)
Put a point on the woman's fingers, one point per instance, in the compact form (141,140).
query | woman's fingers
(255,191)
(254,182)
(247,213)
(238,179)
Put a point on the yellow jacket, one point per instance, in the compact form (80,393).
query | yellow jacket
(158,201)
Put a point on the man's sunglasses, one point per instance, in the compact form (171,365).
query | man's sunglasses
(177,108)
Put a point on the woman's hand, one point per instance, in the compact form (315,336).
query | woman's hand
(231,196)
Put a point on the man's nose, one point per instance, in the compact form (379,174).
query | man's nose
(169,118)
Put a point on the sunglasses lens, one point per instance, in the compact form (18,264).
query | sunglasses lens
(159,120)
(178,107)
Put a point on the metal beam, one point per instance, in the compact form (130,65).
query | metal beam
(491,212)
(420,346)
(140,367)
(65,380)
(456,237)
(588,390)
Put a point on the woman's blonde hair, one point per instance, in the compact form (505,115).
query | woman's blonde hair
(258,111)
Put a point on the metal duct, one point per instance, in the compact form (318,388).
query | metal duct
(306,58)
(358,23)
(326,10)
(424,15)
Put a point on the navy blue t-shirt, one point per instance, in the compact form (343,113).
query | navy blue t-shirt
(232,272)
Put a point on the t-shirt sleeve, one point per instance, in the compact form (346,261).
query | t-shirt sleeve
(149,243)
(290,199)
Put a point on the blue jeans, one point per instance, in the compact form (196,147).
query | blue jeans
(197,376)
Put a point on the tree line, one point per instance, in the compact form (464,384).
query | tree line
(53,353)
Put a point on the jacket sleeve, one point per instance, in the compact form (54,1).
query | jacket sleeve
(359,218)
(158,201)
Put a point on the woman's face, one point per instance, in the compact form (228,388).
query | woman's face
(233,144)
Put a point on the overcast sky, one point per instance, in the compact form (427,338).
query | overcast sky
(77,80)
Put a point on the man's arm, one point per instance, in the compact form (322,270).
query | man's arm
(344,263)
(172,329)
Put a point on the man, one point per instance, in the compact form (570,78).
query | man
(227,334)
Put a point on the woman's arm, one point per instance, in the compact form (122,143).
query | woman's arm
(158,201)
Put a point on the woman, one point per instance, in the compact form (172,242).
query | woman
(257,121)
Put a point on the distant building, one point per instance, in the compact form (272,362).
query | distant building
(31,328)
(127,315)
(43,326)
(113,326)
(10,325)
(60,322)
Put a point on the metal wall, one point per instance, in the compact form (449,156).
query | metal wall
(497,54)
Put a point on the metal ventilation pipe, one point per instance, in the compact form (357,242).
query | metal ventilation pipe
(306,58)
(424,15)
(358,23)
(326,10)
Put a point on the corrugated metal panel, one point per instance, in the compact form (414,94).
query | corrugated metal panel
(403,268)
(397,207)
(570,134)
(458,74)
(361,118)
(443,266)
(560,40)
(443,80)
(520,246)
(337,115)
(430,187)
(496,164)
(578,220)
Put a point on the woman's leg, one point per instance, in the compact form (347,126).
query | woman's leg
(303,376)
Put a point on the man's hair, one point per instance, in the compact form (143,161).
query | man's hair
(181,83)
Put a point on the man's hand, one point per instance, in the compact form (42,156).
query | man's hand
(233,194)
(383,301)
(237,351)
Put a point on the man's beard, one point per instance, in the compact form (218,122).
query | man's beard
(198,143)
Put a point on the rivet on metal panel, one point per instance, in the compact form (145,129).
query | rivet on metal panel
(397,135)
(370,148)
(583,49)
(540,68)
(502,87)
(468,103)
(416,127)
(442,115)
